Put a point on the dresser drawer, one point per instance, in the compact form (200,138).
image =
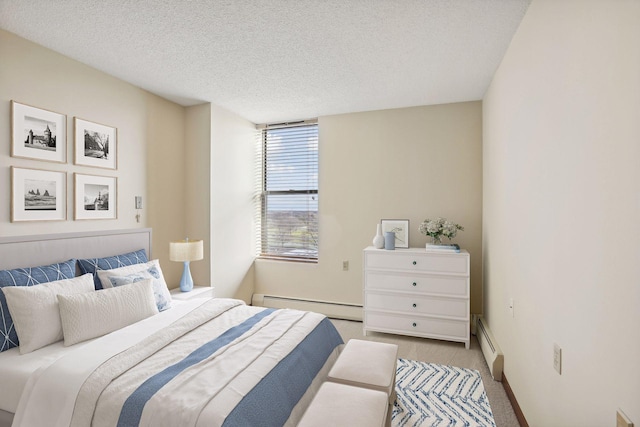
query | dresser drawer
(417,325)
(416,304)
(456,263)
(413,282)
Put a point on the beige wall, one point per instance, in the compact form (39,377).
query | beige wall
(150,137)
(165,163)
(219,172)
(197,169)
(232,244)
(409,163)
(561,209)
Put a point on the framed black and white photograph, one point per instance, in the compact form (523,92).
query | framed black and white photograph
(95,144)
(38,134)
(38,195)
(401,229)
(95,197)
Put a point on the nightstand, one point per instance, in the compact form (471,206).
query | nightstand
(196,292)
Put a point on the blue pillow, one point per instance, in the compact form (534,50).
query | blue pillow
(91,265)
(27,277)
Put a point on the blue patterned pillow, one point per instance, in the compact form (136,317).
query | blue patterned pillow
(27,277)
(91,265)
(160,291)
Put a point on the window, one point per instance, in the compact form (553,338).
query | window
(289,197)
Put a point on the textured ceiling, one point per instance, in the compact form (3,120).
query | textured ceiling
(280,60)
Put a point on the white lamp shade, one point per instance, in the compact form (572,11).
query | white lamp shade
(186,250)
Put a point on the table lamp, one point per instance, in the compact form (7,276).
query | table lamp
(186,251)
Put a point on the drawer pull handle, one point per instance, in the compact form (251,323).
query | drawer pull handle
(415,324)
(414,284)
(414,305)
(414,262)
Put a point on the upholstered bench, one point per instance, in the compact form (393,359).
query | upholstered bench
(367,364)
(343,405)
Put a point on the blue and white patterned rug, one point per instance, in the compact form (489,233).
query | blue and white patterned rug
(439,395)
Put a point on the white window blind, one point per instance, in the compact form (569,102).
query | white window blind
(289,192)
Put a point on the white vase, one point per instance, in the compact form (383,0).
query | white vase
(378,240)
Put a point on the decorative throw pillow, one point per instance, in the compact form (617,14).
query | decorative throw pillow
(35,313)
(103,275)
(91,265)
(91,315)
(27,277)
(135,273)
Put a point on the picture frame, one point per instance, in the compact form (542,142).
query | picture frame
(401,229)
(95,144)
(38,134)
(96,197)
(38,195)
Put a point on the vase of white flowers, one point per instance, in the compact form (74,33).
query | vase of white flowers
(439,228)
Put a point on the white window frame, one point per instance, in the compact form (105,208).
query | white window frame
(300,243)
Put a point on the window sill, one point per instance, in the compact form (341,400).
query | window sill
(286,259)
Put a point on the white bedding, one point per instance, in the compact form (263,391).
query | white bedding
(54,407)
(89,383)
(15,370)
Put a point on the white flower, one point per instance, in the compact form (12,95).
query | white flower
(436,228)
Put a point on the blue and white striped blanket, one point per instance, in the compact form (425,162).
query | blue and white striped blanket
(221,364)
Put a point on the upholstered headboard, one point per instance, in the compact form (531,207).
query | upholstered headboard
(32,251)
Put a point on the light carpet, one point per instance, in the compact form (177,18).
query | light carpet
(439,395)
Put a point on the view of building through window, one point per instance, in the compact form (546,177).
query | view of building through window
(290,192)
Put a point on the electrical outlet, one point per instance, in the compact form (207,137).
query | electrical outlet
(511,306)
(557,358)
(345,265)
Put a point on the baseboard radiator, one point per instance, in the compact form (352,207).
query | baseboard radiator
(492,353)
(334,310)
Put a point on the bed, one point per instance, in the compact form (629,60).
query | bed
(128,356)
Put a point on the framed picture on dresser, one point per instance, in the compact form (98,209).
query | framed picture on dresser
(401,229)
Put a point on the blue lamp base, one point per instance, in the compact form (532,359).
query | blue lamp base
(186,282)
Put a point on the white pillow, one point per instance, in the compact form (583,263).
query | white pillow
(35,312)
(86,316)
(135,273)
(103,275)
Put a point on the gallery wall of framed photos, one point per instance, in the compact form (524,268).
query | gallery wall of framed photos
(40,194)
(150,159)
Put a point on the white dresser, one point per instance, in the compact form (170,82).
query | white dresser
(418,293)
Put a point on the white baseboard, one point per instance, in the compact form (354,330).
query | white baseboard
(330,309)
(490,349)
